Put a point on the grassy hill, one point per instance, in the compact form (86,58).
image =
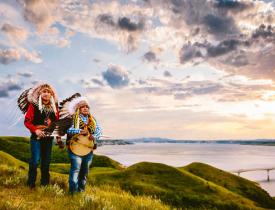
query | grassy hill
(140,186)
(176,187)
(8,159)
(236,184)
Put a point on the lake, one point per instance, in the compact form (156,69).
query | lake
(228,157)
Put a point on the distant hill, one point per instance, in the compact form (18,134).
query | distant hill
(11,141)
(267,142)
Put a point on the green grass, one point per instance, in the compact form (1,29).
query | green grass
(6,158)
(53,197)
(236,184)
(62,168)
(174,187)
(15,195)
(16,146)
(102,170)
(103,161)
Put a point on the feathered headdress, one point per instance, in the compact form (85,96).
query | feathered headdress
(32,95)
(69,112)
(76,103)
(68,106)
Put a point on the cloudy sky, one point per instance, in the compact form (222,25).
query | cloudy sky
(182,69)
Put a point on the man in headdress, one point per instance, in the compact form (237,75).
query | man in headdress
(39,104)
(82,123)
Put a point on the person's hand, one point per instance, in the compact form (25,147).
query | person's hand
(95,146)
(84,132)
(40,133)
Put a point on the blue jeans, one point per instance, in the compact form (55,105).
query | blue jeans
(79,171)
(40,150)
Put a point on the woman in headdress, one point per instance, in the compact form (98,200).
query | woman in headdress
(39,104)
(76,120)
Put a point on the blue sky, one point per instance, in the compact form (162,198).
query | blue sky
(157,68)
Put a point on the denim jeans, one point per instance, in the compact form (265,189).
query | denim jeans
(40,150)
(79,171)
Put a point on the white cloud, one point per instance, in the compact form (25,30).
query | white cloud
(8,56)
(14,33)
(40,13)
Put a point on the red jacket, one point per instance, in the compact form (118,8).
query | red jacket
(31,121)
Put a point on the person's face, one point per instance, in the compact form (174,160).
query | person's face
(46,95)
(84,109)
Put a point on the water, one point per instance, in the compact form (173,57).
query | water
(228,157)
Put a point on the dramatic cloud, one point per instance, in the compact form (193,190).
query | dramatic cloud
(222,33)
(127,30)
(237,55)
(116,76)
(253,57)
(232,36)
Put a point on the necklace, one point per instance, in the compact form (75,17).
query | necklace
(47,109)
